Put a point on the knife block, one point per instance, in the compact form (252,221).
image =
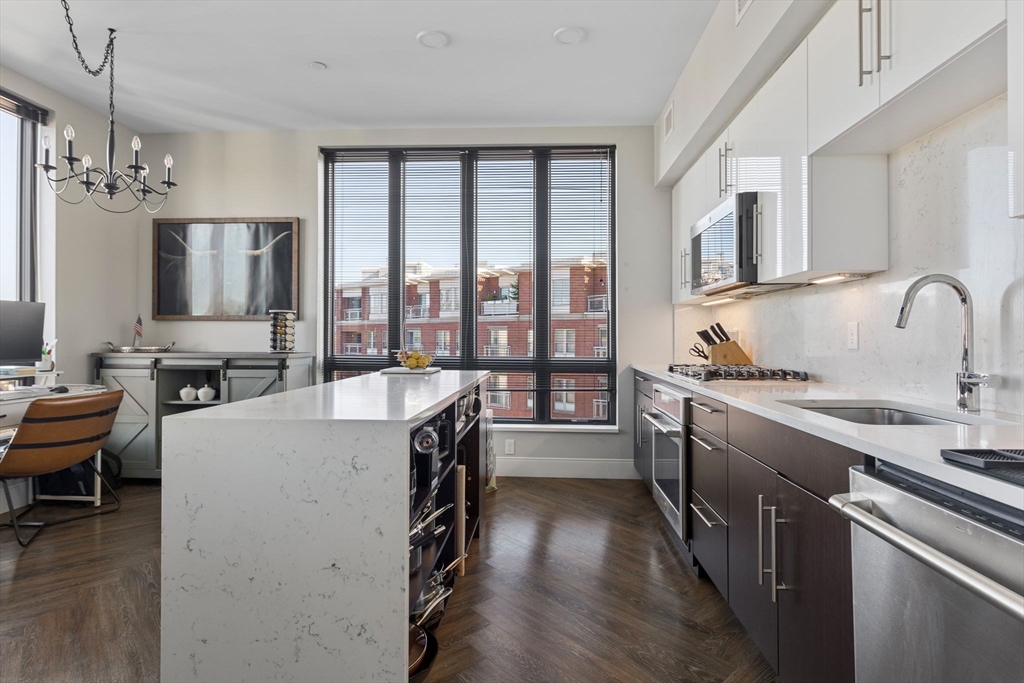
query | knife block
(728,353)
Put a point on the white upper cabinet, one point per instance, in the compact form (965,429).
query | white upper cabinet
(912,38)
(717,184)
(781,167)
(842,88)
(1015,104)
(688,199)
(744,165)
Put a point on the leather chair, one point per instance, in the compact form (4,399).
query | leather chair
(55,434)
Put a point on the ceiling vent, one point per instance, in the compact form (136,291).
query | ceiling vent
(741,8)
(668,123)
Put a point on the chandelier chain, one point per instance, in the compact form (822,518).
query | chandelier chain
(108,53)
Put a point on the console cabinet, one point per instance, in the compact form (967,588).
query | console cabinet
(151,385)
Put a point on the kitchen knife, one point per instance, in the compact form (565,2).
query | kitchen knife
(718,334)
(722,333)
(706,337)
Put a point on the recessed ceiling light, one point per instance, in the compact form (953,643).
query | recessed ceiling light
(432,38)
(567,35)
(317,66)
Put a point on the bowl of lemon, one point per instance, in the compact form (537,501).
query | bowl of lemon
(415,362)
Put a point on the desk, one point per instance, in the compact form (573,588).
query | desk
(12,409)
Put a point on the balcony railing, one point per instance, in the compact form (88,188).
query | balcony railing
(353,313)
(597,303)
(352,349)
(414,347)
(413,312)
(443,351)
(372,351)
(497,350)
(502,307)
(600,352)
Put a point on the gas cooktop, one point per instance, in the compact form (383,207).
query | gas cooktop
(715,373)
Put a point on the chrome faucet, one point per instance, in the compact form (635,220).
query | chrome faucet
(968,382)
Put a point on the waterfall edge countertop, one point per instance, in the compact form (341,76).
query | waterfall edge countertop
(374,397)
(285,531)
(914,447)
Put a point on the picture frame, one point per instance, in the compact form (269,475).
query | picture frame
(222,269)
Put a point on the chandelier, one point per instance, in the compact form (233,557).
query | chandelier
(107,181)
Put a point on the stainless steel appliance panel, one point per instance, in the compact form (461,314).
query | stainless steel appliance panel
(912,622)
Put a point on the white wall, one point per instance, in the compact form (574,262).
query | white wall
(274,173)
(947,214)
(87,259)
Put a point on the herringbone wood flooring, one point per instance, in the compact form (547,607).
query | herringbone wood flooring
(573,580)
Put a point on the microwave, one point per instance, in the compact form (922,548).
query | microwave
(724,244)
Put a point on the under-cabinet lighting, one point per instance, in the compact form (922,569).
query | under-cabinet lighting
(716,302)
(830,278)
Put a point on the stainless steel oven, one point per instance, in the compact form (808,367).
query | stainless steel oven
(724,243)
(669,459)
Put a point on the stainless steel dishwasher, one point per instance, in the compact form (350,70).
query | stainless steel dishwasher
(937,580)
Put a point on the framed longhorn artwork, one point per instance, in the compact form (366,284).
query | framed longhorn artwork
(224,268)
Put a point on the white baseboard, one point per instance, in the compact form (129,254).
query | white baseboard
(19,494)
(567,468)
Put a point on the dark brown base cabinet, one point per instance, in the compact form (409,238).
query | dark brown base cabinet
(816,607)
(752,488)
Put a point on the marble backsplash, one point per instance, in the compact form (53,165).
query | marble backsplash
(947,214)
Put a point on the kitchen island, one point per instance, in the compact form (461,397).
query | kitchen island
(286,531)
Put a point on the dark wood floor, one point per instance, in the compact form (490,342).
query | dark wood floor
(574,580)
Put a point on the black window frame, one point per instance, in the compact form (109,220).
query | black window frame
(543,365)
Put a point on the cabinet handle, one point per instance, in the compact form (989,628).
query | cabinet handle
(761,571)
(721,185)
(696,508)
(683,280)
(728,185)
(757,233)
(861,73)
(878,37)
(703,407)
(776,584)
(703,443)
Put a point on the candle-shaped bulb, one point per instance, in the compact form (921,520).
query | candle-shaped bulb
(145,171)
(168,161)
(46,142)
(69,133)
(87,161)
(136,143)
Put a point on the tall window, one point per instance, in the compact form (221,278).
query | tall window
(495,259)
(19,122)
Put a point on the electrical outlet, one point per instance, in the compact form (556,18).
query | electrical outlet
(852,336)
(510,446)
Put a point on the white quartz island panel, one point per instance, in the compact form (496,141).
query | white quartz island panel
(285,531)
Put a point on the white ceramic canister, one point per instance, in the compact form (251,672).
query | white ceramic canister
(188,393)
(207,393)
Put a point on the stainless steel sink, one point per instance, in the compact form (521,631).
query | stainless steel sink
(883,416)
(893,413)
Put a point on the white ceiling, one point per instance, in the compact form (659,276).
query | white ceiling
(188,65)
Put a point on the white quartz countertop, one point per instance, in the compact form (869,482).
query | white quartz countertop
(374,397)
(914,447)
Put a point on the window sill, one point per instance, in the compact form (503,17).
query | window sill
(558,429)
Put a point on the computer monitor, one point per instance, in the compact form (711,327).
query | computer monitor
(21,332)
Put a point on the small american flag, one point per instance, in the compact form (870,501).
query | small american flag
(138,327)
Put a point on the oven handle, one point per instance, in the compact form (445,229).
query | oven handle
(960,574)
(672,433)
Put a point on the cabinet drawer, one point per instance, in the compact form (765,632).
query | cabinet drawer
(710,415)
(643,384)
(711,543)
(709,470)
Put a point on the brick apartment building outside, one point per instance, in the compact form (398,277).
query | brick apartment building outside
(579,326)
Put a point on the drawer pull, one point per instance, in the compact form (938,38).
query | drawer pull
(703,443)
(696,508)
(703,407)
